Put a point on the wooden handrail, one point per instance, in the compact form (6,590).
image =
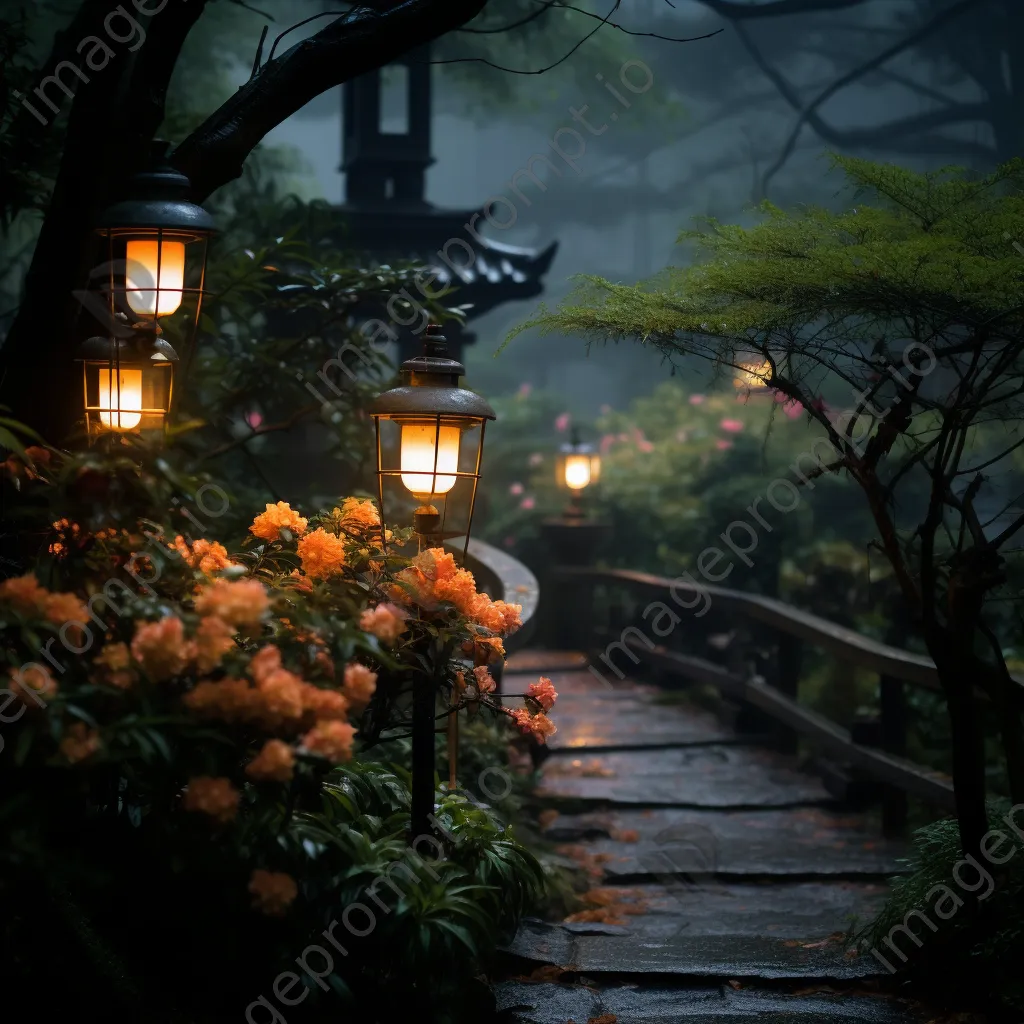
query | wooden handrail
(505,578)
(892,662)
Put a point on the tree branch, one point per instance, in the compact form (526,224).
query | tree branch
(742,12)
(354,44)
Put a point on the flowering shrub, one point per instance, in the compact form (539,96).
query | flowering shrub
(200,699)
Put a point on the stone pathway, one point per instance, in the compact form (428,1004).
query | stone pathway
(725,879)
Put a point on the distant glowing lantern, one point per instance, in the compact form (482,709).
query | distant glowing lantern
(429,456)
(155,246)
(753,375)
(578,467)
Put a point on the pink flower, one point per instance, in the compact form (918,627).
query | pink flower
(509,542)
(524,390)
(516,489)
(644,445)
(792,408)
(527,503)
(562,422)
(536,459)
(721,444)
(254,419)
(606,442)
(732,426)
(819,404)
(696,399)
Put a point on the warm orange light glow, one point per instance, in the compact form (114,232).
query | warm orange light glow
(121,409)
(142,256)
(577,472)
(753,375)
(418,458)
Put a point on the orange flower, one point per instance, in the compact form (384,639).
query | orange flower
(241,603)
(280,698)
(273,891)
(459,589)
(360,513)
(79,742)
(116,660)
(274,763)
(332,740)
(160,647)
(486,650)
(323,704)
(386,622)
(538,726)
(496,616)
(436,564)
(484,680)
(301,583)
(543,692)
(214,638)
(230,700)
(215,797)
(207,556)
(24,594)
(322,553)
(360,683)
(268,525)
(266,660)
(33,682)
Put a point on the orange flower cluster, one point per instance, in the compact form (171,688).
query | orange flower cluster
(539,726)
(17,467)
(276,699)
(485,650)
(273,891)
(115,661)
(332,740)
(28,597)
(543,692)
(79,742)
(274,763)
(33,683)
(322,554)
(161,649)
(268,525)
(360,683)
(240,603)
(215,797)
(386,622)
(207,556)
(67,532)
(214,638)
(484,680)
(358,513)
(434,577)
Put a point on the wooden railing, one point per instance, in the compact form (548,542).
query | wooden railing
(768,686)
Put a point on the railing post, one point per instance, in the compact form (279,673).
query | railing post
(788,663)
(571,544)
(893,702)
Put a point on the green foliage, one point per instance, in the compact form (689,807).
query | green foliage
(979,938)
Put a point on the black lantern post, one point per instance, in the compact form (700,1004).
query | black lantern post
(578,466)
(427,456)
(155,246)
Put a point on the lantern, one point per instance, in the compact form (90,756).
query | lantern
(578,466)
(155,246)
(753,375)
(432,454)
(127,383)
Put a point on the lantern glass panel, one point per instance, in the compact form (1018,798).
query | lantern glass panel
(131,397)
(577,471)
(155,275)
(422,443)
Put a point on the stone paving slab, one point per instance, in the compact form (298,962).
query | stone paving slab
(534,660)
(549,1003)
(690,956)
(802,911)
(707,776)
(626,723)
(806,841)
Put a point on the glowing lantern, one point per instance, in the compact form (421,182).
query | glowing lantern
(753,375)
(434,463)
(578,467)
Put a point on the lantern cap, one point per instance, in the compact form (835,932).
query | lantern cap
(158,198)
(430,387)
(140,347)
(575,446)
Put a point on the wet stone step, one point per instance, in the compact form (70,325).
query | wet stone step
(685,956)
(548,1003)
(707,776)
(806,912)
(545,662)
(806,841)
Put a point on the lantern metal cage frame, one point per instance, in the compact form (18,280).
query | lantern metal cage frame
(576,449)
(430,396)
